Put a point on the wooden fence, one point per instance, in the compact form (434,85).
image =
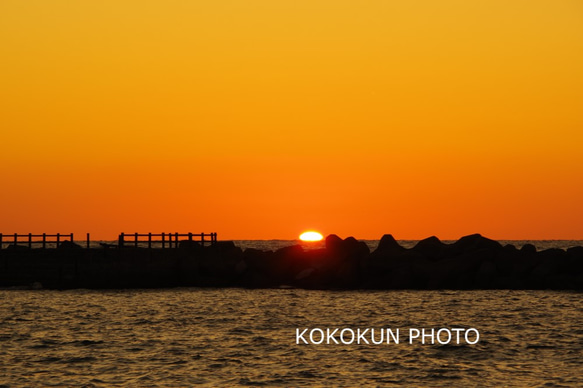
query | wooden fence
(31,240)
(166,240)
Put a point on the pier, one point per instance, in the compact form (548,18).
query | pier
(35,240)
(163,240)
(58,261)
(149,240)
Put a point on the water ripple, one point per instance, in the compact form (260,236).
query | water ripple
(234,337)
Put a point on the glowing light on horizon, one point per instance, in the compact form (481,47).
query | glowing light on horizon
(311,236)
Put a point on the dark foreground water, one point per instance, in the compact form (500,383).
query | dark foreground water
(236,337)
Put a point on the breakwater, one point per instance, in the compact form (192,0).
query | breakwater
(472,262)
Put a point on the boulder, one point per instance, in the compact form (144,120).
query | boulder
(15,247)
(388,246)
(486,274)
(69,245)
(189,244)
(258,260)
(528,249)
(349,248)
(431,248)
(474,242)
(334,243)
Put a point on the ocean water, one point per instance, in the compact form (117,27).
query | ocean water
(238,337)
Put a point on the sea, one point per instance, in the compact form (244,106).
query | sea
(286,337)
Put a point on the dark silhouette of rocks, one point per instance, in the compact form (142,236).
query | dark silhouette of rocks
(69,245)
(528,249)
(389,245)
(432,248)
(472,262)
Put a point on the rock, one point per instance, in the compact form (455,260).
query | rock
(576,252)
(334,243)
(388,245)
(258,260)
(575,260)
(69,245)
(304,274)
(254,279)
(457,272)
(189,244)
(291,252)
(288,261)
(546,268)
(528,249)
(241,266)
(15,247)
(347,275)
(431,248)
(224,246)
(474,242)
(400,278)
(355,249)
(560,282)
(486,274)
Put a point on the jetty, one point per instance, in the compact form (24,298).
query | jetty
(155,260)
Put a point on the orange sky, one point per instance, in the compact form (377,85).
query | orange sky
(260,119)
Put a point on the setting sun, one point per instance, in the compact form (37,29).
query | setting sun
(311,236)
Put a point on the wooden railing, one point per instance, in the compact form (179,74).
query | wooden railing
(166,240)
(35,239)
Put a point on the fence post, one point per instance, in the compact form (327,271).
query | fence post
(88,240)
(136,240)
(202,239)
(72,237)
(120,241)
(176,240)
(163,243)
(150,240)
(15,239)
(0,240)
(58,239)
(44,240)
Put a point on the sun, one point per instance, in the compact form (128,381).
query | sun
(311,236)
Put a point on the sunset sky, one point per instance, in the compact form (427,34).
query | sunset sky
(259,119)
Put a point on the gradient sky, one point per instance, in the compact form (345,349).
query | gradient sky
(259,119)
